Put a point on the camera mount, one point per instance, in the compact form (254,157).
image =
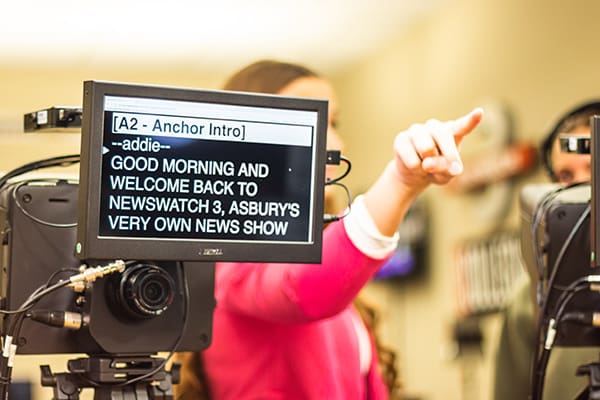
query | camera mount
(114,377)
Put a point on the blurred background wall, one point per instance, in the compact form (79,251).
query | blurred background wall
(535,59)
(532,60)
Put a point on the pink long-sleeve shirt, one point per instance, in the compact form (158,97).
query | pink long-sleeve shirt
(285,331)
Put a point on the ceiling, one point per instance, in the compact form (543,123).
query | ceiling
(209,33)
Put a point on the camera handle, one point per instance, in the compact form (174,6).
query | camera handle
(107,375)
(592,391)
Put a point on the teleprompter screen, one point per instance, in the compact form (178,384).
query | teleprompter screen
(172,171)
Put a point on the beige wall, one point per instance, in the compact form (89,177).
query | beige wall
(536,56)
(29,88)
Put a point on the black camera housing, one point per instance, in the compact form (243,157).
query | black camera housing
(562,243)
(38,226)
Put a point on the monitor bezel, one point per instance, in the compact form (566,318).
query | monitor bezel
(91,246)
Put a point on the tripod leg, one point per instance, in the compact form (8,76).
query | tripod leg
(583,395)
(65,386)
(164,390)
(119,393)
(139,391)
(592,391)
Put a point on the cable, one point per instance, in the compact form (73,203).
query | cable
(542,354)
(541,359)
(343,175)
(334,158)
(334,217)
(543,350)
(31,216)
(16,317)
(539,213)
(14,325)
(561,254)
(62,161)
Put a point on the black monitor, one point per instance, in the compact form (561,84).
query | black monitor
(594,151)
(200,175)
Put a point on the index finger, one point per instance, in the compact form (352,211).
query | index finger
(465,124)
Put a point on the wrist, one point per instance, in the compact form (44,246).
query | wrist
(389,198)
(411,188)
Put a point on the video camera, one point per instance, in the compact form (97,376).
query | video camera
(39,225)
(559,240)
(171,181)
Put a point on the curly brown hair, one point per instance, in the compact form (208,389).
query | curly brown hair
(385,355)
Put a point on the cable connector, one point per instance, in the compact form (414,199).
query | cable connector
(6,346)
(550,334)
(334,157)
(327,218)
(60,319)
(9,350)
(91,274)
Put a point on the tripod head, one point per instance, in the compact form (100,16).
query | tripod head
(113,377)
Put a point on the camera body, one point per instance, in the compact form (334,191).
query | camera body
(557,254)
(143,310)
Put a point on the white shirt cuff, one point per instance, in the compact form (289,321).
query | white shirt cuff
(365,235)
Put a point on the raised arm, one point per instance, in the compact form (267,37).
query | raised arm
(423,154)
(354,248)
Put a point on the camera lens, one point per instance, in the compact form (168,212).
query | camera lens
(146,290)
